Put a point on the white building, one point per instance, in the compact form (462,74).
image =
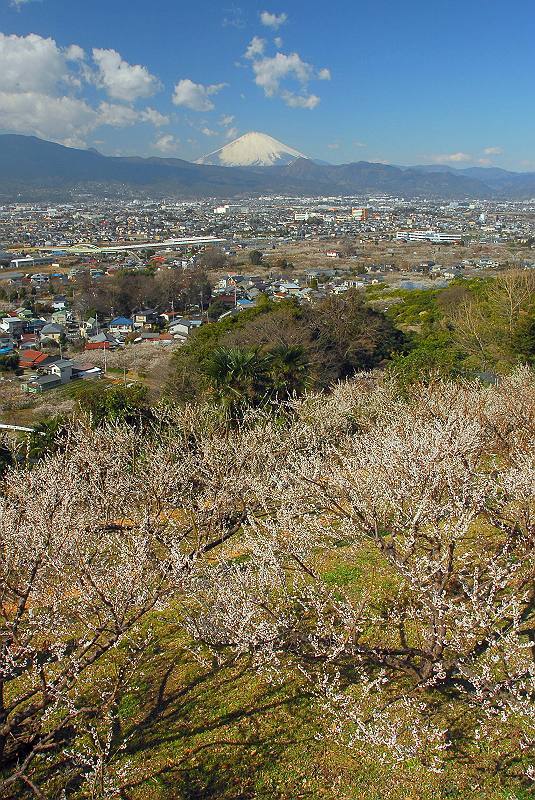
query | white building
(435,237)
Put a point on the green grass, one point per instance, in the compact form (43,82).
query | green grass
(343,575)
(201,731)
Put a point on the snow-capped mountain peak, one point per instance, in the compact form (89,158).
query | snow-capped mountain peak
(252,150)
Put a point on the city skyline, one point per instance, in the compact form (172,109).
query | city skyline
(408,85)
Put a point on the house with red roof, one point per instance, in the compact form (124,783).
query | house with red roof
(33,359)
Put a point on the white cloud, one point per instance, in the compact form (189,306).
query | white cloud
(256,48)
(226,121)
(493,151)
(359,144)
(277,41)
(154,117)
(334,146)
(75,53)
(270,73)
(451,158)
(63,119)
(195,96)
(31,64)
(292,100)
(121,80)
(167,144)
(118,115)
(324,74)
(208,132)
(36,80)
(234,18)
(19,3)
(273,20)
(40,85)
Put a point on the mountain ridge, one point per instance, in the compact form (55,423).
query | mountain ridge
(33,168)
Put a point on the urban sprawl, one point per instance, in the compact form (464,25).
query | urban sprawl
(78,281)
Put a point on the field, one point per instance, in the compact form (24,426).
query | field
(148,364)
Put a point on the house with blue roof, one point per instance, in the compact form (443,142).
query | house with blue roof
(121,325)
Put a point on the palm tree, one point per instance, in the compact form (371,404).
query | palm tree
(289,370)
(238,377)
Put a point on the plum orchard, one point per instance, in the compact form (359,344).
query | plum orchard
(430,654)
(425,652)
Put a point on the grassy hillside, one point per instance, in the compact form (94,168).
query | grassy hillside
(330,601)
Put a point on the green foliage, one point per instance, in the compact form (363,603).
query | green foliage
(523,338)
(305,346)
(289,371)
(216,309)
(473,324)
(255,258)
(47,438)
(418,308)
(237,378)
(187,383)
(6,459)
(9,362)
(434,355)
(123,404)
(342,575)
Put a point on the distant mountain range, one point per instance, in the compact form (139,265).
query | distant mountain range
(34,169)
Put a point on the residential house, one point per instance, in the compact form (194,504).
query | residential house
(88,328)
(28,341)
(14,326)
(101,341)
(182,328)
(121,326)
(59,303)
(41,384)
(355,283)
(62,316)
(86,371)
(289,288)
(52,331)
(62,369)
(23,313)
(7,344)
(171,316)
(33,359)
(145,318)
(452,272)
(153,337)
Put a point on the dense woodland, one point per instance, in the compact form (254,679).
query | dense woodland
(478,327)
(306,572)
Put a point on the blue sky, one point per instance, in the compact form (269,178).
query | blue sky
(441,81)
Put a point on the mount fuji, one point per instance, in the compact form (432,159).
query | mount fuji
(41,171)
(252,150)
